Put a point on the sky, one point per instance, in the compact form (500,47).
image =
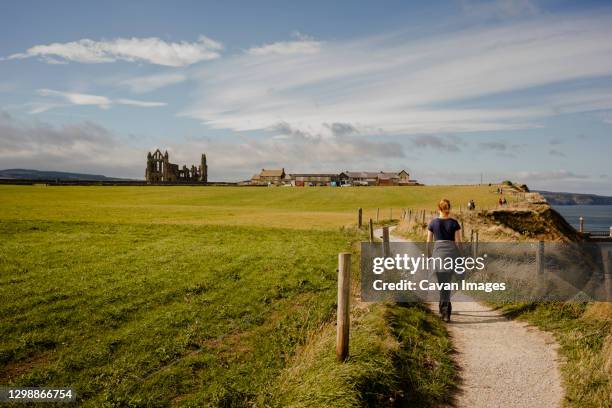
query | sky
(450,91)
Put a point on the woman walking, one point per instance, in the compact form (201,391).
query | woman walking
(445,231)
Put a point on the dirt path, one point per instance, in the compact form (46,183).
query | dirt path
(503,363)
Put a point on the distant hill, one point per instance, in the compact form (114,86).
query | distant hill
(27,174)
(575,199)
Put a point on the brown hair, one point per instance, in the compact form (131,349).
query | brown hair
(444,206)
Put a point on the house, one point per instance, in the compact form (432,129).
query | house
(315,179)
(388,179)
(362,178)
(273,177)
(381,178)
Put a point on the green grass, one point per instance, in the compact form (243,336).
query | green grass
(208,296)
(143,313)
(400,356)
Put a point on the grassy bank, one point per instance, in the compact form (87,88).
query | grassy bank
(400,356)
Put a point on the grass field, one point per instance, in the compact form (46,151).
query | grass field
(161,296)
(296,208)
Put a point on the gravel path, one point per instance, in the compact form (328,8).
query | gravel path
(503,363)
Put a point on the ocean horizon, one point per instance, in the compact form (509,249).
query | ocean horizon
(596,217)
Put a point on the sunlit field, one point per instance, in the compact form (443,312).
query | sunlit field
(296,208)
(175,295)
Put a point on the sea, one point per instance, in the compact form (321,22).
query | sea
(596,217)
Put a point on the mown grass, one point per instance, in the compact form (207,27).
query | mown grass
(584,334)
(296,208)
(146,313)
(159,296)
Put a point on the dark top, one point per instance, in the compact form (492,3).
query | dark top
(444,228)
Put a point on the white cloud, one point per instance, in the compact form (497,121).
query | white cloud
(153,82)
(152,50)
(499,8)
(398,84)
(303,44)
(40,107)
(142,104)
(78,98)
(74,98)
(287,48)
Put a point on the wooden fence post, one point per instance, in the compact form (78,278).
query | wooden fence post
(581,223)
(540,258)
(359,217)
(377,214)
(344,292)
(608,274)
(386,248)
(371,231)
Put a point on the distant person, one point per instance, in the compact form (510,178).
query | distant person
(445,232)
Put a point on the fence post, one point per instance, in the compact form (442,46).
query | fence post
(359,217)
(581,223)
(608,274)
(344,291)
(391,213)
(377,214)
(386,248)
(540,258)
(371,231)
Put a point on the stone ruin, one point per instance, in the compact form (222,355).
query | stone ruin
(160,170)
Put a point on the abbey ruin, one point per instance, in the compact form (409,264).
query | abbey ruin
(160,170)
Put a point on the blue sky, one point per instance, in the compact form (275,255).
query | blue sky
(508,89)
